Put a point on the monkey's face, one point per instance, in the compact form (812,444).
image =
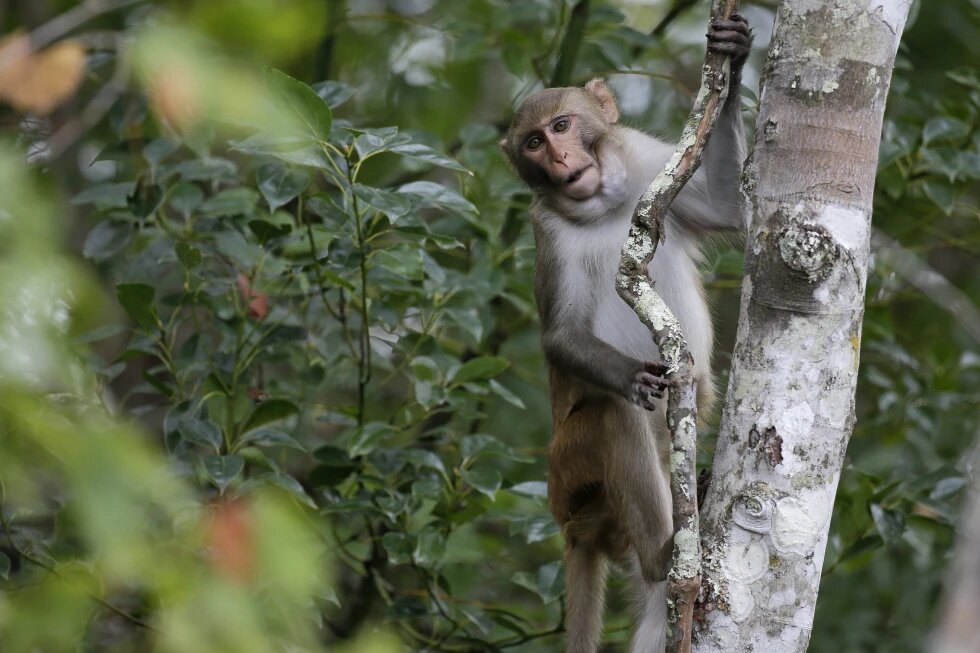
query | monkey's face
(553,141)
(566,155)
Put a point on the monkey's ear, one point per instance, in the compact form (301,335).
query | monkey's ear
(597,87)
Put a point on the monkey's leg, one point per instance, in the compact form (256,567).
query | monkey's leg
(650,600)
(585,582)
(641,492)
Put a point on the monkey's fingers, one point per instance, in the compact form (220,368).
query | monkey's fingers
(729,36)
(741,26)
(652,382)
(655,368)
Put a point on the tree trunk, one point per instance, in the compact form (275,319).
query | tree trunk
(959,627)
(790,406)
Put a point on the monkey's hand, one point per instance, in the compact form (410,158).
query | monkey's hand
(648,384)
(732,37)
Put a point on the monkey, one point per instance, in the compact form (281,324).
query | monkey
(608,474)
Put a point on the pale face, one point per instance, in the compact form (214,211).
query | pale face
(558,148)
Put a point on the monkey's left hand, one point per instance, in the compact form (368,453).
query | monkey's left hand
(732,37)
(648,384)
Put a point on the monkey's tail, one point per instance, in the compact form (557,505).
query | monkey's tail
(585,582)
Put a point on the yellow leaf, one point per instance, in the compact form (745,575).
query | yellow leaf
(40,81)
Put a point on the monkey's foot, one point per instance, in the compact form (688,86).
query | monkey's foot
(732,37)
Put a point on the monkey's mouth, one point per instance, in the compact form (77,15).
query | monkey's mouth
(575,176)
(583,183)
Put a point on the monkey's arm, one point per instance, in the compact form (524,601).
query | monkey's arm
(573,349)
(711,200)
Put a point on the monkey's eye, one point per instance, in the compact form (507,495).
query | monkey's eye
(561,125)
(534,143)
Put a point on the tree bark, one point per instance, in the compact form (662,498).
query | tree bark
(789,409)
(959,627)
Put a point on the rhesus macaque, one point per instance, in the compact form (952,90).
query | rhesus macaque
(608,484)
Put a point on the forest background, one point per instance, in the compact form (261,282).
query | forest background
(269,357)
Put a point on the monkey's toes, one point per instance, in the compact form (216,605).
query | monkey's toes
(729,36)
(741,26)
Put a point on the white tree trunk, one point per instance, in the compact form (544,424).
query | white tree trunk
(959,620)
(789,410)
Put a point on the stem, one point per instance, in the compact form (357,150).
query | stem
(364,360)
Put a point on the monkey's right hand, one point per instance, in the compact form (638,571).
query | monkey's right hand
(648,384)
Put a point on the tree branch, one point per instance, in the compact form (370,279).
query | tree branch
(634,286)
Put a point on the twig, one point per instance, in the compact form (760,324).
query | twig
(634,286)
(676,9)
(91,115)
(72,19)
(136,621)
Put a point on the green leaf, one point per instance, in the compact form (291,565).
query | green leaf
(534,528)
(420,458)
(889,523)
(372,141)
(404,262)
(270,410)
(941,195)
(333,93)
(107,239)
(547,583)
(268,437)
(188,255)
(137,300)
(533,489)
(967,76)
(185,197)
(506,394)
(209,169)
(231,202)
(364,439)
(280,185)
(429,548)
(4,566)
(944,128)
(283,481)
(478,369)
(307,116)
(482,444)
(947,487)
(145,199)
(289,150)
(435,195)
(267,231)
(427,154)
(424,368)
(222,470)
(392,205)
(105,196)
(199,431)
(484,481)
(159,149)
(399,547)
